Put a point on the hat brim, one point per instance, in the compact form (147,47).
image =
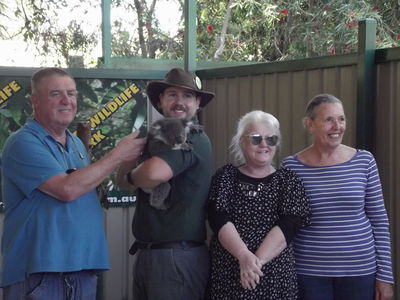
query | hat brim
(155,88)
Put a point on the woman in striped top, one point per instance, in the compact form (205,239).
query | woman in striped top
(345,252)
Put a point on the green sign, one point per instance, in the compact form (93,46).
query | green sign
(113,107)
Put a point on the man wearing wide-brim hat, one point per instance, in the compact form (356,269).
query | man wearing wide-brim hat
(179,79)
(172,260)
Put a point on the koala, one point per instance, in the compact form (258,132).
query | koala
(167,134)
(164,135)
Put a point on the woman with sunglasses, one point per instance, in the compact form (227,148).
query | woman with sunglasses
(345,253)
(255,211)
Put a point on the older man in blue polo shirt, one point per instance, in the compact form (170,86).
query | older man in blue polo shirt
(54,241)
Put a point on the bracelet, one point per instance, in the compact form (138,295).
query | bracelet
(129,178)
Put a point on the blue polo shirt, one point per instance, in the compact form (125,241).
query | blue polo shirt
(41,233)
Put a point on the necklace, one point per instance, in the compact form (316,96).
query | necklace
(250,190)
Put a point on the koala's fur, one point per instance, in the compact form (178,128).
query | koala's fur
(167,134)
(164,135)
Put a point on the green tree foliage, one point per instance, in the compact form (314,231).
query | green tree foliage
(228,30)
(272,30)
(53,27)
(3,18)
(141,36)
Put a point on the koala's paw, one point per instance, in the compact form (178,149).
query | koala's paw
(186,146)
(159,194)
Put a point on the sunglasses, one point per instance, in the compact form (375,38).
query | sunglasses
(256,139)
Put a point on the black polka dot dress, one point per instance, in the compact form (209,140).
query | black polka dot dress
(254,206)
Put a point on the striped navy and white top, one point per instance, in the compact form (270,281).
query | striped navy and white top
(349,231)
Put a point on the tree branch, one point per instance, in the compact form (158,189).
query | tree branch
(139,12)
(220,43)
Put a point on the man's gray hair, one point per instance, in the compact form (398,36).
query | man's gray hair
(46,72)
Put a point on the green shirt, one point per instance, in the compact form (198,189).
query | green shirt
(185,217)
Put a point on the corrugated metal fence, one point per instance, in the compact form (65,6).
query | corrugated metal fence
(387,145)
(283,94)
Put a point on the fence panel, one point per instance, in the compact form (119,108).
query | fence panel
(387,145)
(283,94)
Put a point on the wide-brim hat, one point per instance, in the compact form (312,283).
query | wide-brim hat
(179,78)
